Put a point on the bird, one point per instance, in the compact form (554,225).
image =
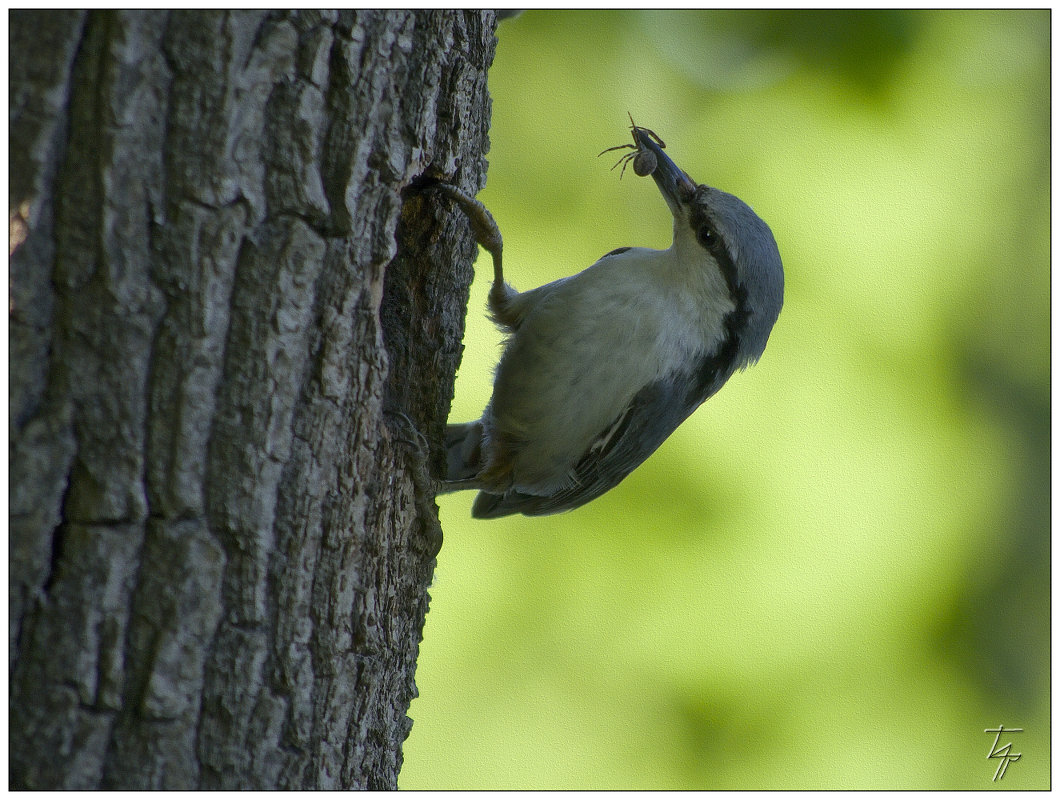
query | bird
(600,367)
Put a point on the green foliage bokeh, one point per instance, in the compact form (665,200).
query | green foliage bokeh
(836,573)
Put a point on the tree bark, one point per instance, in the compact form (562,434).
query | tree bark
(229,306)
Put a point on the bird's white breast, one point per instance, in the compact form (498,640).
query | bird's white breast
(588,344)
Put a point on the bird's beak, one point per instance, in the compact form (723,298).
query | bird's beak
(676,187)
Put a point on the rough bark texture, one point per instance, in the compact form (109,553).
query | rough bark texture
(225,292)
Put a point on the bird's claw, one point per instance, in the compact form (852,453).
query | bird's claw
(403,431)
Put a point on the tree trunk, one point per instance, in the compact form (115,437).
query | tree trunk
(229,306)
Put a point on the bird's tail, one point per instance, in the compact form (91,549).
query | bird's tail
(463,448)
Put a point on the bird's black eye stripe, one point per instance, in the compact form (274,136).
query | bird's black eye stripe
(706,231)
(707,235)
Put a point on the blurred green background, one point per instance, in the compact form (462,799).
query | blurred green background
(836,573)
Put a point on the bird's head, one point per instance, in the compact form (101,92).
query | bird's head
(721,232)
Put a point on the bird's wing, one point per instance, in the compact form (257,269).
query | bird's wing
(644,424)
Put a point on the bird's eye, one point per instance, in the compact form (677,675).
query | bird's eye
(706,236)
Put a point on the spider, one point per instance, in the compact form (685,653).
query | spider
(644,161)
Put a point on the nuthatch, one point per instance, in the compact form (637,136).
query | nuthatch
(601,367)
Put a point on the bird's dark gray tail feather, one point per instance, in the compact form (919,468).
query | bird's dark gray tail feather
(463,451)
